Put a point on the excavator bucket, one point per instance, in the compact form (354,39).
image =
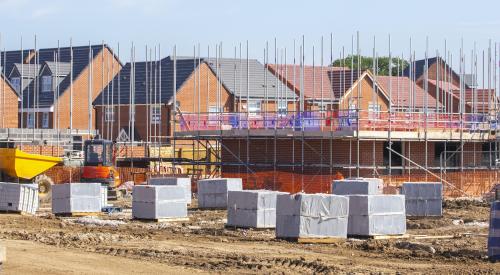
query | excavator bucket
(19,164)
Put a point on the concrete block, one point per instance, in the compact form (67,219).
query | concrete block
(76,197)
(159,202)
(212,193)
(184,182)
(358,186)
(371,215)
(311,215)
(19,197)
(252,208)
(423,198)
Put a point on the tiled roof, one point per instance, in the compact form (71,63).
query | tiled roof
(405,93)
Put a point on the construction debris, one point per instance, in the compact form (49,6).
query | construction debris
(311,216)
(423,199)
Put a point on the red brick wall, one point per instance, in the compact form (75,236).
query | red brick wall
(8,105)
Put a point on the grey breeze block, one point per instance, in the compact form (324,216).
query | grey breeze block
(252,208)
(212,193)
(357,186)
(76,197)
(423,199)
(159,202)
(184,182)
(19,197)
(371,215)
(311,215)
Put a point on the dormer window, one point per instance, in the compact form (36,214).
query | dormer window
(16,83)
(46,83)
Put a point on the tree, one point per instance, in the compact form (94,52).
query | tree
(351,62)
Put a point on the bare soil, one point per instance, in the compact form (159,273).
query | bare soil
(204,245)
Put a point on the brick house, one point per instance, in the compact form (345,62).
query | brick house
(9,100)
(56,84)
(205,88)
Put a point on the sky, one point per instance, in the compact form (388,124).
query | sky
(231,22)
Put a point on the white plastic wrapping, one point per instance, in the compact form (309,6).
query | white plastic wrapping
(252,208)
(76,197)
(494,232)
(184,182)
(19,197)
(423,198)
(159,202)
(311,215)
(357,186)
(212,193)
(372,215)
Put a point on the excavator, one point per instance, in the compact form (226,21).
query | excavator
(99,165)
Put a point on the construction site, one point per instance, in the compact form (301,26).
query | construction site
(322,158)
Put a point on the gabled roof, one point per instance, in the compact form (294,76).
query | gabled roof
(419,67)
(231,72)
(26,70)
(80,62)
(334,80)
(405,93)
(61,68)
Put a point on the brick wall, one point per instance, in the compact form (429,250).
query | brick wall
(8,105)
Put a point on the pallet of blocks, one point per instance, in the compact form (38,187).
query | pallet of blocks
(357,186)
(494,233)
(311,217)
(376,215)
(159,203)
(252,208)
(212,193)
(423,199)
(184,182)
(77,199)
(18,198)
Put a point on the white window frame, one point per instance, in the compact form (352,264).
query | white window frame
(30,120)
(282,106)
(109,114)
(257,108)
(46,83)
(45,120)
(374,109)
(155,114)
(16,83)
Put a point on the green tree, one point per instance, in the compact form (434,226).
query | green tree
(366,63)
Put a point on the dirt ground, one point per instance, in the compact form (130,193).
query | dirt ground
(45,244)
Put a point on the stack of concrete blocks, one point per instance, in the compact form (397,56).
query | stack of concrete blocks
(423,199)
(311,216)
(252,208)
(212,193)
(358,186)
(76,198)
(184,182)
(15,197)
(370,212)
(152,202)
(104,196)
(372,215)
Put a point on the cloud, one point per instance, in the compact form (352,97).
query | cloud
(43,12)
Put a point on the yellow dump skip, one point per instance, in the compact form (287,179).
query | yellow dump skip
(17,163)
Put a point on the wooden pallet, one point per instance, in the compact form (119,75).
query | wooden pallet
(163,220)
(79,214)
(315,240)
(381,237)
(22,213)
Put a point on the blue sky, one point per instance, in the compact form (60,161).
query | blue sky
(185,23)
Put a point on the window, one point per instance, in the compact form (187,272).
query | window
(45,120)
(374,110)
(155,114)
(282,107)
(46,83)
(109,114)
(16,83)
(254,106)
(30,123)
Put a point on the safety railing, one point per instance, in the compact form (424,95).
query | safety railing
(338,121)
